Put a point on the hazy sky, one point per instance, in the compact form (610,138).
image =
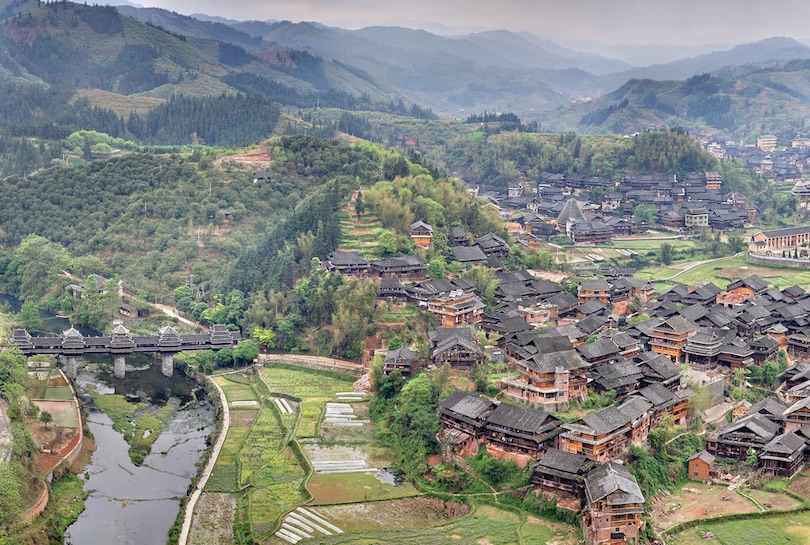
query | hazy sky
(610,21)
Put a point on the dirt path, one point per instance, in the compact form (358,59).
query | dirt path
(172,313)
(694,264)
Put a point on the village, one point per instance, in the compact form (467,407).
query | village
(681,357)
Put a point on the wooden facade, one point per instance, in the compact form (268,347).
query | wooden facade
(613,509)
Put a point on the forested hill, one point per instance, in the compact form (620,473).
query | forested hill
(739,101)
(76,67)
(156,220)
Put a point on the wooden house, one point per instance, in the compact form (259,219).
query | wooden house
(752,431)
(670,337)
(783,456)
(457,346)
(404,268)
(348,263)
(609,432)
(613,507)
(421,234)
(594,289)
(520,434)
(402,360)
(701,467)
(562,475)
(462,418)
(549,374)
(493,245)
(456,309)
(797,415)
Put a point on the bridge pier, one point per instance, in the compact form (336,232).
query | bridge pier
(167,364)
(71,367)
(120,366)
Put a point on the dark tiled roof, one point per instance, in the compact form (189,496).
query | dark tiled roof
(787,231)
(704,456)
(468,254)
(339,259)
(520,418)
(466,405)
(567,462)
(598,349)
(614,482)
(785,444)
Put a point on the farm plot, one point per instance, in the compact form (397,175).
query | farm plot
(303,524)
(213,522)
(58,393)
(800,484)
(337,431)
(485,525)
(314,389)
(273,472)
(402,514)
(774,500)
(790,528)
(235,392)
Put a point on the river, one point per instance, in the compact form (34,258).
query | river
(129,504)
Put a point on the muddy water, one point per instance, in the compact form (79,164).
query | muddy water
(130,504)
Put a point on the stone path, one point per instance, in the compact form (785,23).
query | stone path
(304,524)
(209,467)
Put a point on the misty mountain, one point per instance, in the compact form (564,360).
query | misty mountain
(771,50)
(534,52)
(647,54)
(738,101)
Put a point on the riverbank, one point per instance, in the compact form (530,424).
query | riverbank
(61,444)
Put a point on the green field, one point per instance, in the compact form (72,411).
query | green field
(59,393)
(788,529)
(355,487)
(312,388)
(725,271)
(235,391)
(484,525)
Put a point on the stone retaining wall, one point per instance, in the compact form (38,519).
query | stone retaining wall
(39,506)
(78,441)
(773,261)
(316,362)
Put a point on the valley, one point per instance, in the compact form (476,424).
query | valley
(286,281)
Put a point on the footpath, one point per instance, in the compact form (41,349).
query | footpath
(209,467)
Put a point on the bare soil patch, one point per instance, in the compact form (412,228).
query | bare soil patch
(548,275)
(57,380)
(801,485)
(774,500)
(260,160)
(213,520)
(243,417)
(698,501)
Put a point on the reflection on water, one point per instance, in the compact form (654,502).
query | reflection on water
(51,323)
(129,504)
(391,475)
